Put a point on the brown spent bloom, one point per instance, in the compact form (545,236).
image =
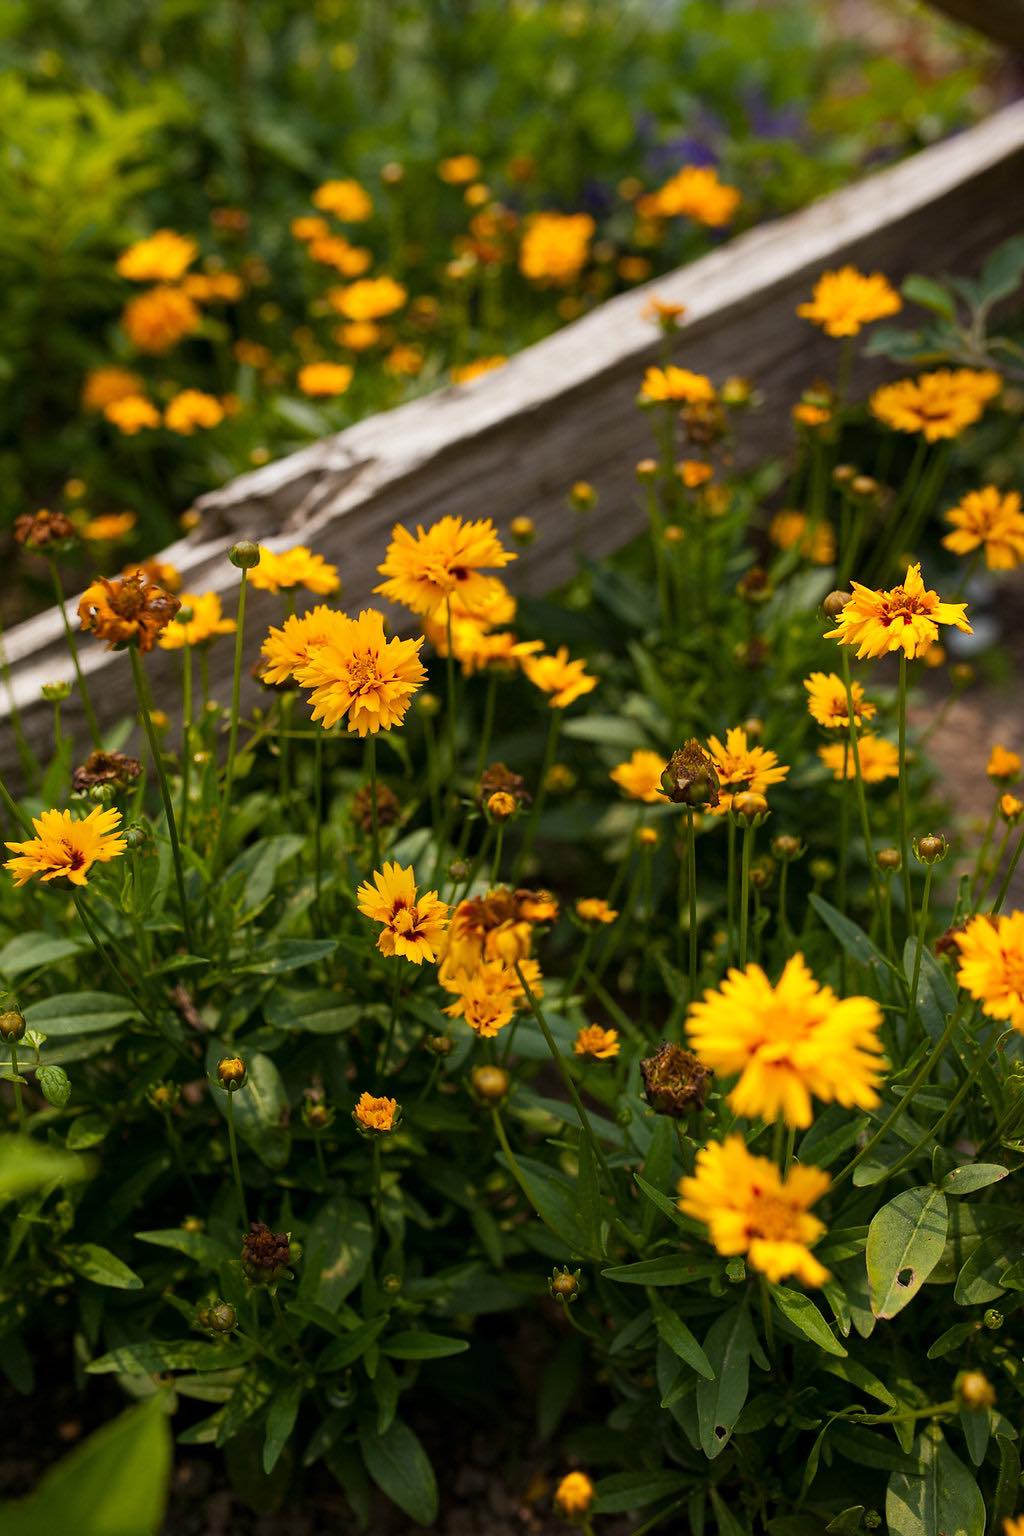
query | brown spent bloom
(675,1082)
(266,1255)
(389,807)
(690,777)
(125,609)
(44,530)
(114,768)
(497,779)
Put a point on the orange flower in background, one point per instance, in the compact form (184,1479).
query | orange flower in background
(160,572)
(158,319)
(127,608)
(325,379)
(640,776)
(1003,765)
(131,414)
(742,769)
(879,759)
(829,705)
(104,386)
(694,192)
(193,410)
(358,335)
(347,199)
(296,567)
(411,925)
(672,383)
(206,623)
(556,246)
(844,302)
(288,649)
(992,965)
(694,473)
(362,675)
(405,360)
(308,227)
(938,405)
(594,909)
(109,527)
(563,681)
(574,1494)
(456,170)
(161,258)
(335,251)
(214,287)
(465,373)
(66,848)
(816,542)
(369,299)
(991,520)
(906,619)
(601,1044)
(444,563)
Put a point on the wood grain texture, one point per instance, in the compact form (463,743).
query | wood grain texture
(513,441)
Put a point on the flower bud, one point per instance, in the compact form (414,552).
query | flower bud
(391,1284)
(523,530)
(844,474)
(12,1026)
(750,808)
(1011,809)
(690,777)
(163,1096)
(490,1084)
(429,705)
(786,847)
(961,674)
(439,1045)
(834,603)
(993,1318)
(244,555)
(872,1520)
(501,806)
(564,1284)
(822,871)
(458,870)
(219,1317)
(582,496)
(973,1390)
(754,586)
(931,849)
(889,859)
(231,1073)
(316,1115)
(56,693)
(647,470)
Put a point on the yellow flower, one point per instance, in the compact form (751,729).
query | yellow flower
(358,335)
(295,567)
(1011,809)
(214,287)
(905,619)
(694,473)
(497,926)
(126,608)
(592,1040)
(879,759)
(191,410)
(788,1043)
(1014,1527)
(1003,765)
(161,258)
(108,528)
(647,837)
(105,385)
(988,520)
(325,379)
(938,405)
(207,621)
(574,1494)
(672,383)
(640,777)
(337,252)
(405,360)
(742,769)
(486,998)
(816,543)
(694,192)
(556,246)
(158,319)
(369,299)
(828,704)
(64,847)
(807,414)
(465,373)
(992,965)
(288,649)
(411,925)
(347,200)
(846,300)
(375,1114)
(458,169)
(307,227)
(564,681)
(362,674)
(664,311)
(749,1209)
(442,563)
(131,414)
(594,909)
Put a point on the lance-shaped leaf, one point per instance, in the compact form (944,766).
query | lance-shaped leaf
(905,1242)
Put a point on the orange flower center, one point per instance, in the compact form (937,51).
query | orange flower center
(899,604)
(362,672)
(75,857)
(771,1219)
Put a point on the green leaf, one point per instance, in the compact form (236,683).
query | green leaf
(336,1250)
(666,1206)
(847,1522)
(1003,272)
(27,1165)
(859,1376)
(114,1484)
(206,1250)
(260,1105)
(343,1352)
(281,1417)
(412,1345)
(149,1357)
(657,1167)
(257,867)
(674,1332)
(971,1176)
(951,1339)
(930,295)
(728,1347)
(559,1382)
(982,1278)
(100,1266)
(668,1269)
(800,1310)
(315,1012)
(87,1131)
(79,1013)
(401,1469)
(553,1198)
(905,1242)
(945,1498)
(55,1085)
(853,939)
(624,1491)
(288,955)
(30,951)
(728,1525)
(868,1448)
(1004,1500)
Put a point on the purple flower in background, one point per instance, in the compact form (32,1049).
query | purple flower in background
(598,198)
(770,122)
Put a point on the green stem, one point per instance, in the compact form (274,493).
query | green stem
(371,754)
(1009,875)
(396,992)
(691,865)
(165,793)
(376,1169)
(538,800)
(748,844)
(996,864)
(730,903)
(235,1166)
(186,735)
(516,1172)
(903,797)
(919,952)
(90,713)
(236,693)
(18,1104)
(862,801)
(318,808)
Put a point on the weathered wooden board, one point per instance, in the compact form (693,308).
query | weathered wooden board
(514,440)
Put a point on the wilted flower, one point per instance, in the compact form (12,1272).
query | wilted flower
(113,768)
(266,1255)
(51,532)
(125,609)
(675,1081)
(691,778)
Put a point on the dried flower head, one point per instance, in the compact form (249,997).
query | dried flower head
(51,532)
(690,777)
(114,768)
(266,1255)
(389,807)
(675,1081)
(126,609)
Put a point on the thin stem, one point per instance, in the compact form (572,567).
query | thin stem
(235,1167)
(90,713)
(766,1315)
(748,844)
(1009,874)
(395,993)
(919,951)
(186,735)
(903,799)
(165,793)
(376,1171)
(236,693)
(18,1104)
(515,1170)
(499,839)
(538,800)
(730,903)
(691,865)
(371,755)
(318,799)
(862,800)
(1000,854)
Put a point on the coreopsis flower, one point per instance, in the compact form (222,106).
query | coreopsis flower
(411,925)
(664,311)
(694,192)
(358,335)
(537,906)
(363,675)
(465,373)
(498,777)
(829,705)
(879,759)
(1003,765)
(742,769)
(811,414)
(555,246)
(443,564)
(337,252)
(457,170)
(308,227)
(844,302)
(376,1116)
(992,965)
(108,527)
(44,531)
(282,570)
(206,623)
(404,361)
(640,776)
(486,998)
(163,257)
(574,1494)
(749,1208)
(214,287)
(66,848)
(673,383)
(694,473)
(132,414)
(498,926)
(938,405)
(1011,809)
(788,1043)
(991,520)
(372,298)
(105,385)
(601,1044)
(563,681)
(347,199)
(325,380)
(906,619)
(192,410)
(288,649)
(1014,1527)
(125,609)
(156,320)
(816,542)
(594,909)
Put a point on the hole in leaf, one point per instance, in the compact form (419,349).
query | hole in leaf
(720,1431)
(904,1277)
